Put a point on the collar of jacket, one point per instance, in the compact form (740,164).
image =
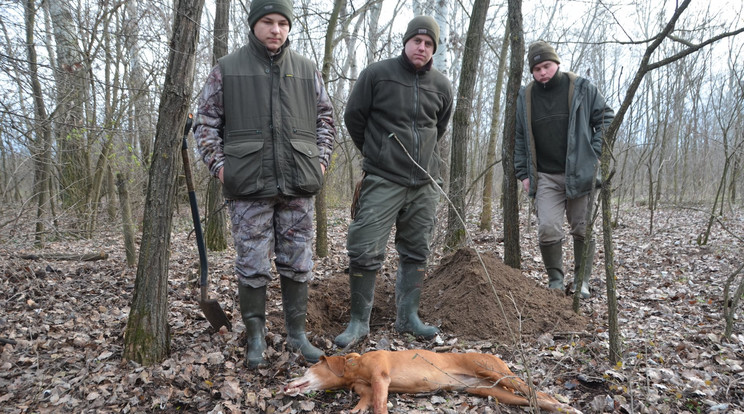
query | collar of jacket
(261,51)
(553,82)
(409,65)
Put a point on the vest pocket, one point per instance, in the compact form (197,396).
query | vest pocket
(243,172)
(308,175)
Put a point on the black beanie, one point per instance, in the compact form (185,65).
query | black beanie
(539,52)
(260,8)
(422,25)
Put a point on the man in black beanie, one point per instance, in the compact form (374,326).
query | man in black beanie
(400,99)
(268,140)
(561,119)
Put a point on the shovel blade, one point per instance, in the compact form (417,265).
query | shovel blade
(214,314)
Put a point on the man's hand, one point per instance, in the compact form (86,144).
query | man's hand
(322,168)
(221,176)
(525,185)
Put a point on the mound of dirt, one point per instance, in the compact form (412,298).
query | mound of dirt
(457,297)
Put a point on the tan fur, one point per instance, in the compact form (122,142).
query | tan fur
(375,374)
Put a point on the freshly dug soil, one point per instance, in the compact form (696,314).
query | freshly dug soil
(458,297)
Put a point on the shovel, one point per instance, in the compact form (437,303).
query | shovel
(212,310)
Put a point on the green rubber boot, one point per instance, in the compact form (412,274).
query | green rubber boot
(253,311)
(407,295)
(362,287)
(294,301)
(579,248)
(552,255)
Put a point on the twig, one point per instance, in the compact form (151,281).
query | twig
(480,259)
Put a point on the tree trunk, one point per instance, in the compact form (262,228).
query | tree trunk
(512,252)
(147,335)
(610,136)
(215,235)
(321,216)
(42,140)
(127,224)
(456,231)
(70,126)
(487,200)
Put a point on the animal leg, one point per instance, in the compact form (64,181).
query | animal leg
(365,397)
(380,387)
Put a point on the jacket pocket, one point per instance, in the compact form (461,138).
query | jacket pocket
(307,173)
(243,167)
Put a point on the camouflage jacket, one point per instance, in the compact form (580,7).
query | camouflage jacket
(209,121)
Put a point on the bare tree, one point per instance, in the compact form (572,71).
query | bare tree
(69,122)
(460,124)
(147,335)
(645,66)
(512,253)
(216,226)
(487,199)
(41,144)
(321,216)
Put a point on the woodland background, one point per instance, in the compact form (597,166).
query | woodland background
(93,108)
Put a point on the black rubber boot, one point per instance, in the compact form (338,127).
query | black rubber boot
(294,301)
(579,248)
(362,289)
(407,295)
(552,255)
(253,311)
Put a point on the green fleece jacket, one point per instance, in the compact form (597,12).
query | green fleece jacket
(392,97)
(589,116)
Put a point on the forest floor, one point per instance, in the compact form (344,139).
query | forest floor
(62,325)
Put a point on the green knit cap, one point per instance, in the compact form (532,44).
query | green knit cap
(260,8)
(539,52)
(423,25)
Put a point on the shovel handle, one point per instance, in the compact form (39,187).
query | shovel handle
(203,265)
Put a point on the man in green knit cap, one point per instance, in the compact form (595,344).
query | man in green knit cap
(265,128)
(400,99)
(561,119)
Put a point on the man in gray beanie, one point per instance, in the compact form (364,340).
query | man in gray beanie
(397,107)
(269,142)
(561,119)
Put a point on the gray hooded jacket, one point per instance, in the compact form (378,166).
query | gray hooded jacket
(589,117)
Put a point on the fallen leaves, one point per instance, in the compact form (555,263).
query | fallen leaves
(67,320)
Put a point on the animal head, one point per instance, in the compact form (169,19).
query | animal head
(326,374)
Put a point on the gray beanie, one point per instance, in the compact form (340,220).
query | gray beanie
(422,25)
(260,8)
(539,52)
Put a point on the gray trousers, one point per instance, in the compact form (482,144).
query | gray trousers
(383,203)
(551,204)
(281,226)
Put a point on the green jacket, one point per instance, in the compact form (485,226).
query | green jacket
(589,117)
(392,97)
(270,141)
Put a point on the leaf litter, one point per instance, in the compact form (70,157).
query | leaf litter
(62,326)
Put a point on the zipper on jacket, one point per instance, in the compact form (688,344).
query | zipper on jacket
(414,127)
(271,124)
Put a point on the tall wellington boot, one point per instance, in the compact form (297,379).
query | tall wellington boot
(552,255)
(579,249)
(294,301)
(362,287)
(253,311)
(407,295)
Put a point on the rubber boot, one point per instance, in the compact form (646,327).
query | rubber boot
(253,311)
(552,255)
(579,247)
(362,287)
(407,295)
(294,300)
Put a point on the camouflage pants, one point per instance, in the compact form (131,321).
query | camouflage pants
(277,226)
